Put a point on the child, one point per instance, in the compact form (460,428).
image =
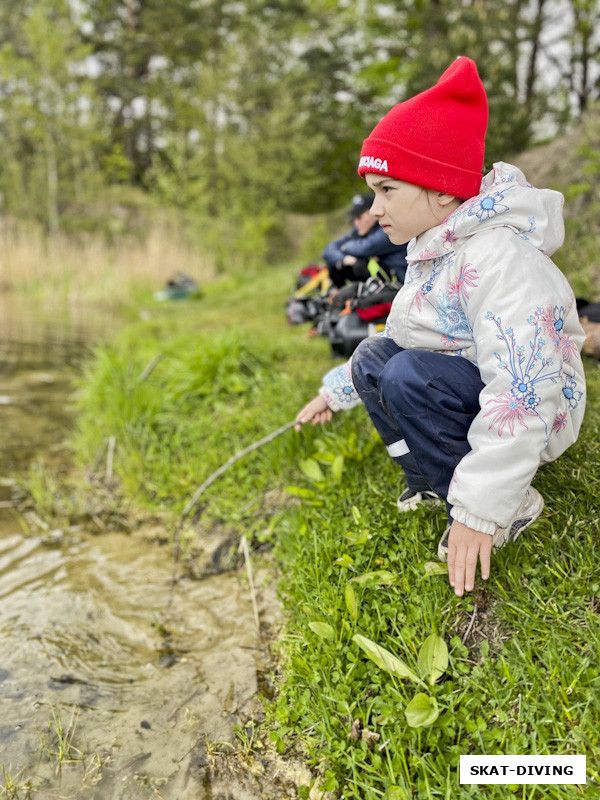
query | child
(477,379)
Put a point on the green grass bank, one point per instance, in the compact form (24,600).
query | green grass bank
(382,677)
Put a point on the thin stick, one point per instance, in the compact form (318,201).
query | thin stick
(149,367)
(110,457)
(243,548)
(208,482)
(236,457)
(468,631)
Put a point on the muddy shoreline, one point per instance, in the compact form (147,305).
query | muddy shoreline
(115,683)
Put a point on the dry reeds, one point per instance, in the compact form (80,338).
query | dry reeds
(67,271)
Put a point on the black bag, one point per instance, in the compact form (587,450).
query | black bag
(587,309)
(357,311)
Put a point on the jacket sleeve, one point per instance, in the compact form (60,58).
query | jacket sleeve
(334,252)
(375,243)
(337,388)
(527,340)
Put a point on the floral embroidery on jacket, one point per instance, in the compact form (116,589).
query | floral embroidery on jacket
(426,288)
(451,320)
(528,372)
(488,206)
(553,322)
(467,278)
(560,421)
(508,411)
(571,392)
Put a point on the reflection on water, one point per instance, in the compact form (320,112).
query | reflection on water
(87,635)
(39,356)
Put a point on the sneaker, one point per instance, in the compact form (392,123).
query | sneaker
(527,513)
(411,499)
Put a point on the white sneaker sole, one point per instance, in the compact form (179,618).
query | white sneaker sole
(417,500)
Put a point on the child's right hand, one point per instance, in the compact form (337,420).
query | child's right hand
(316,411)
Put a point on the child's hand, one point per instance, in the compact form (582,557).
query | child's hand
(317,410)
(465,547)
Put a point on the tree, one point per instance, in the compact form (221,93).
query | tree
(46,108)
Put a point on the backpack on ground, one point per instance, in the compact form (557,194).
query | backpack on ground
(308,300)
(358,310)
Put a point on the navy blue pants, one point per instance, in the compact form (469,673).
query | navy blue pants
(422,405)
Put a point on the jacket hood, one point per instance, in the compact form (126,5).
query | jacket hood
(505,200)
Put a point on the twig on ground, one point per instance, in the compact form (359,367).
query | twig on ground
(149,367)
(243,548)
(208,482)
(468,631)
(110,454)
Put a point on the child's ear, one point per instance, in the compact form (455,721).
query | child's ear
(445,199)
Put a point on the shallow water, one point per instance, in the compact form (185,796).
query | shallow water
(90,645)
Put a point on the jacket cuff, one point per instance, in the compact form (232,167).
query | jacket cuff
(334,404)
(460,514)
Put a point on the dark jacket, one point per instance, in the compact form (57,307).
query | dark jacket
(391,257)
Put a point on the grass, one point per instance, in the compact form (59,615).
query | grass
(91,270)
(57,745)
(522,675)
(61,747)
(524,681)
(12,788)
(223,381)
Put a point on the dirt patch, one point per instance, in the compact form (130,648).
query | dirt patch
(482,624)
(239,776)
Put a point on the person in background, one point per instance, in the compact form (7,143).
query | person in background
(477,379)
(347,257)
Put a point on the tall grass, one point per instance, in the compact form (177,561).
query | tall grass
(72,272)
(186,388)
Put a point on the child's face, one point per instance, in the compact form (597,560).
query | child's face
(403,209)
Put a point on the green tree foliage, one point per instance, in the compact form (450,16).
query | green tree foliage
(239,110)
(46,111)
(147,52)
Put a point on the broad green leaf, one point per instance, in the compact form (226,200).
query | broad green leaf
(435,568)
(306,494)
(337,468)
(421,711)
(298,491)
(396,793)
(377,578)
(350,598)
(312,470)
(345,561)
(356,514)
(322,629)
(358,537)
(384,659)
(433,658)
(325,457)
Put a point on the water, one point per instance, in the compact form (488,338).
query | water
(107,689)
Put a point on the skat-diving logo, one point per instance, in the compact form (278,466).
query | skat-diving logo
(374,163)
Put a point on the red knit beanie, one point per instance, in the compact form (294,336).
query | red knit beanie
(436,139)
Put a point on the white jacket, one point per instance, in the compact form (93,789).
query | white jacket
(482,286)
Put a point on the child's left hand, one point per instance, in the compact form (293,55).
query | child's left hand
(465,547)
